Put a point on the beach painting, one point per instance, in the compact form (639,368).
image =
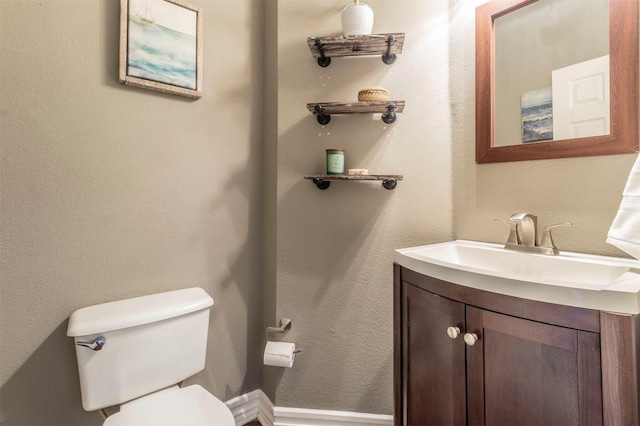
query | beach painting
(537,115)
(161,46)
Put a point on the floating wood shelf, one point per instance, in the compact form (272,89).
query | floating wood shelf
(323,110)
(388,45)
(323,181)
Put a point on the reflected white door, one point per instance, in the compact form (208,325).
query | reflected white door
(581,99)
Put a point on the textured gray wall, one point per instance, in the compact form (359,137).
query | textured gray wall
(111,192)
(335,247)
(585,191)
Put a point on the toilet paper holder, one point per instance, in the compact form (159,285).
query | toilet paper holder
(285,324)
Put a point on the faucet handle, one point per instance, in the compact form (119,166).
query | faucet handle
(547,240)
(513,239)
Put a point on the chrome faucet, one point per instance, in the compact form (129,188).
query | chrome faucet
(524,235)
(527,228)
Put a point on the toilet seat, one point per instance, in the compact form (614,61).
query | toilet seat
(174,406)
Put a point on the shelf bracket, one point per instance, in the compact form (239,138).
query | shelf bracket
(389,116)
(388,57)
(321,184)
(323,61)
(389,184)
(324,181)
(321,116)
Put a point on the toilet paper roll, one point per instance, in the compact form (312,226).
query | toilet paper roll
(279,354)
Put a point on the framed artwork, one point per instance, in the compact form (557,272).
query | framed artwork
(161,46)
(537,115)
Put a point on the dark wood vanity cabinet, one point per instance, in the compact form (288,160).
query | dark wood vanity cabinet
(433,370)
(467,356)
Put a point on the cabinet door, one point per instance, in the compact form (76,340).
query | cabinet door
(525,372)
(433,364)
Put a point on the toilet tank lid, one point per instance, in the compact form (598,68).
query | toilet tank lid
(137,311)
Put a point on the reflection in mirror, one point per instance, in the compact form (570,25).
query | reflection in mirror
(545,40)
(528,51)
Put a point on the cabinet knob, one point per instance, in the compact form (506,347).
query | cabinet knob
(470,338)
(453,332)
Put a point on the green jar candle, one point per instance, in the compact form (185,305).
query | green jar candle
(335,161)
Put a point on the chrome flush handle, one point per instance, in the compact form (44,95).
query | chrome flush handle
(96,345)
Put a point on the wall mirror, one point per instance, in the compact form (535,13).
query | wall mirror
(556,79)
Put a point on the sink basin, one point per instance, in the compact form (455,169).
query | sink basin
(491,267)
(571,269)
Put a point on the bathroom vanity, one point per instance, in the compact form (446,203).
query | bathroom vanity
(470,349)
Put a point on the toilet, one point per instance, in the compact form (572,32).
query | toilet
(134,352)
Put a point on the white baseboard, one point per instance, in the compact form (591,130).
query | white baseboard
(306,417)
(251,406)
(256,405)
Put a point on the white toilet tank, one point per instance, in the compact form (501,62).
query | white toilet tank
(149,343)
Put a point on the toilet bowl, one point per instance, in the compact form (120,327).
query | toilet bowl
(133,352)
(189,406)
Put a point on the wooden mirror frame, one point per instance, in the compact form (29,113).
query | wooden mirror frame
(623,54)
